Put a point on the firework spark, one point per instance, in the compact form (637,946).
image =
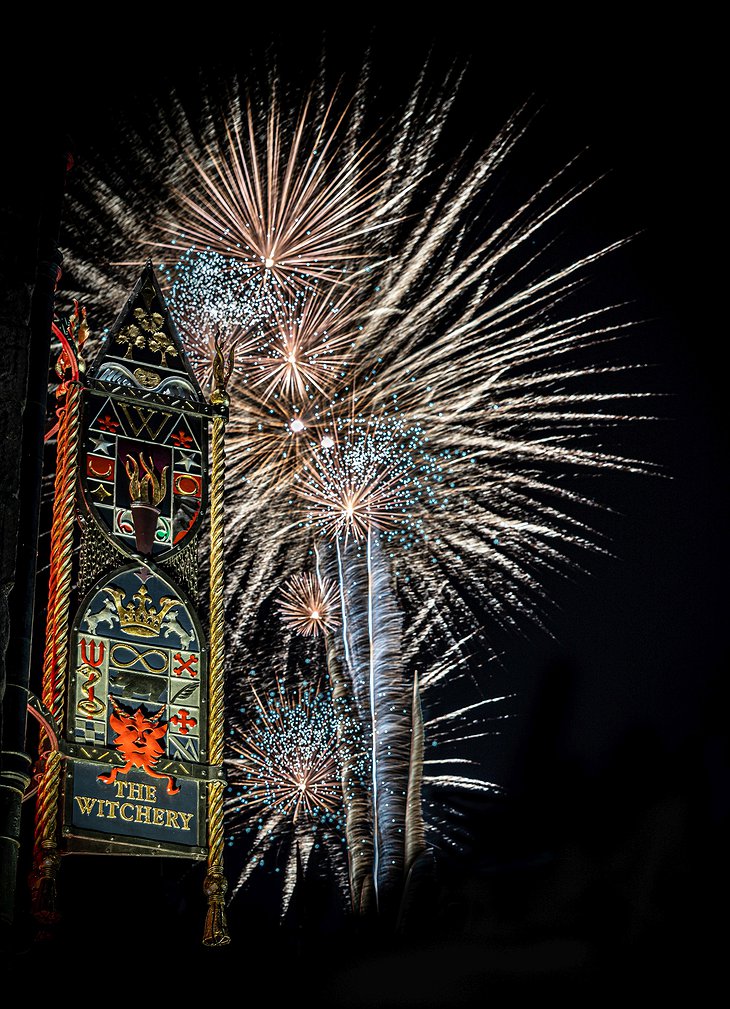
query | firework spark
(286,206)
(425,434)
(308,605)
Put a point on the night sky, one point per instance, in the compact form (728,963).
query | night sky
(606,855)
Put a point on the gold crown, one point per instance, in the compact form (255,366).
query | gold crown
(142,620)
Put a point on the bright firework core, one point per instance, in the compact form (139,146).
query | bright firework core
(309,605)
(287,760)
(376,473)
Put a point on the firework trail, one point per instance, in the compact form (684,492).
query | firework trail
(415,385)
(284,779)
(295,747)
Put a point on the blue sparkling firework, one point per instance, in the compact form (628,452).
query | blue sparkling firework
(370,473)
(284,771)
(287,760)
(417,390)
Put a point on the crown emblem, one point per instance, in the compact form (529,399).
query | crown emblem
(141,620)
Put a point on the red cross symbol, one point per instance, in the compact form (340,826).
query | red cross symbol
(183,719)
(108,424)
(181,439)
(185,665)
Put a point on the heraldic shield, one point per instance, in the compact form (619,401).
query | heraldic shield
(144,458)
(137,724)
(138,455)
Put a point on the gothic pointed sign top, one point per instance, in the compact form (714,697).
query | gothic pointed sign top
(144,432)
(143,351)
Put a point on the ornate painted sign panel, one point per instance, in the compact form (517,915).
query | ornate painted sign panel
(137,724)
(127,688)
(159,452)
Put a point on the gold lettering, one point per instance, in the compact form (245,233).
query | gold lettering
(143,814)
(136,791)
(144,420)
(131,813)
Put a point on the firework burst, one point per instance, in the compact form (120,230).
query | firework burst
(308,605)
(368,472)
(419,379)
(287,760)
(302,351)
(287,206)
(284,760)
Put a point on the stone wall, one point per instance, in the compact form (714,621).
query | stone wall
(30,213)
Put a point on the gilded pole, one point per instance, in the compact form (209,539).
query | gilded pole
(55,656)
(216,930)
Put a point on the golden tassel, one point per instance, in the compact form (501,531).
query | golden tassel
(215,885)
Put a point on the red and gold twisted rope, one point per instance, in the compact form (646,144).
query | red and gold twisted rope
(55,656)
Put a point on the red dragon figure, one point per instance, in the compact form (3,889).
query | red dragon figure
(137,741)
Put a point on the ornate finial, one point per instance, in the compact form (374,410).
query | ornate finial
(148,292)
(221,373)
(72,334)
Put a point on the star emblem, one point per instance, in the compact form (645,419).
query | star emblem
(101,444)
(186,460)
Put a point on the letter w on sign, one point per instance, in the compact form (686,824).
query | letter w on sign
(143,422)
